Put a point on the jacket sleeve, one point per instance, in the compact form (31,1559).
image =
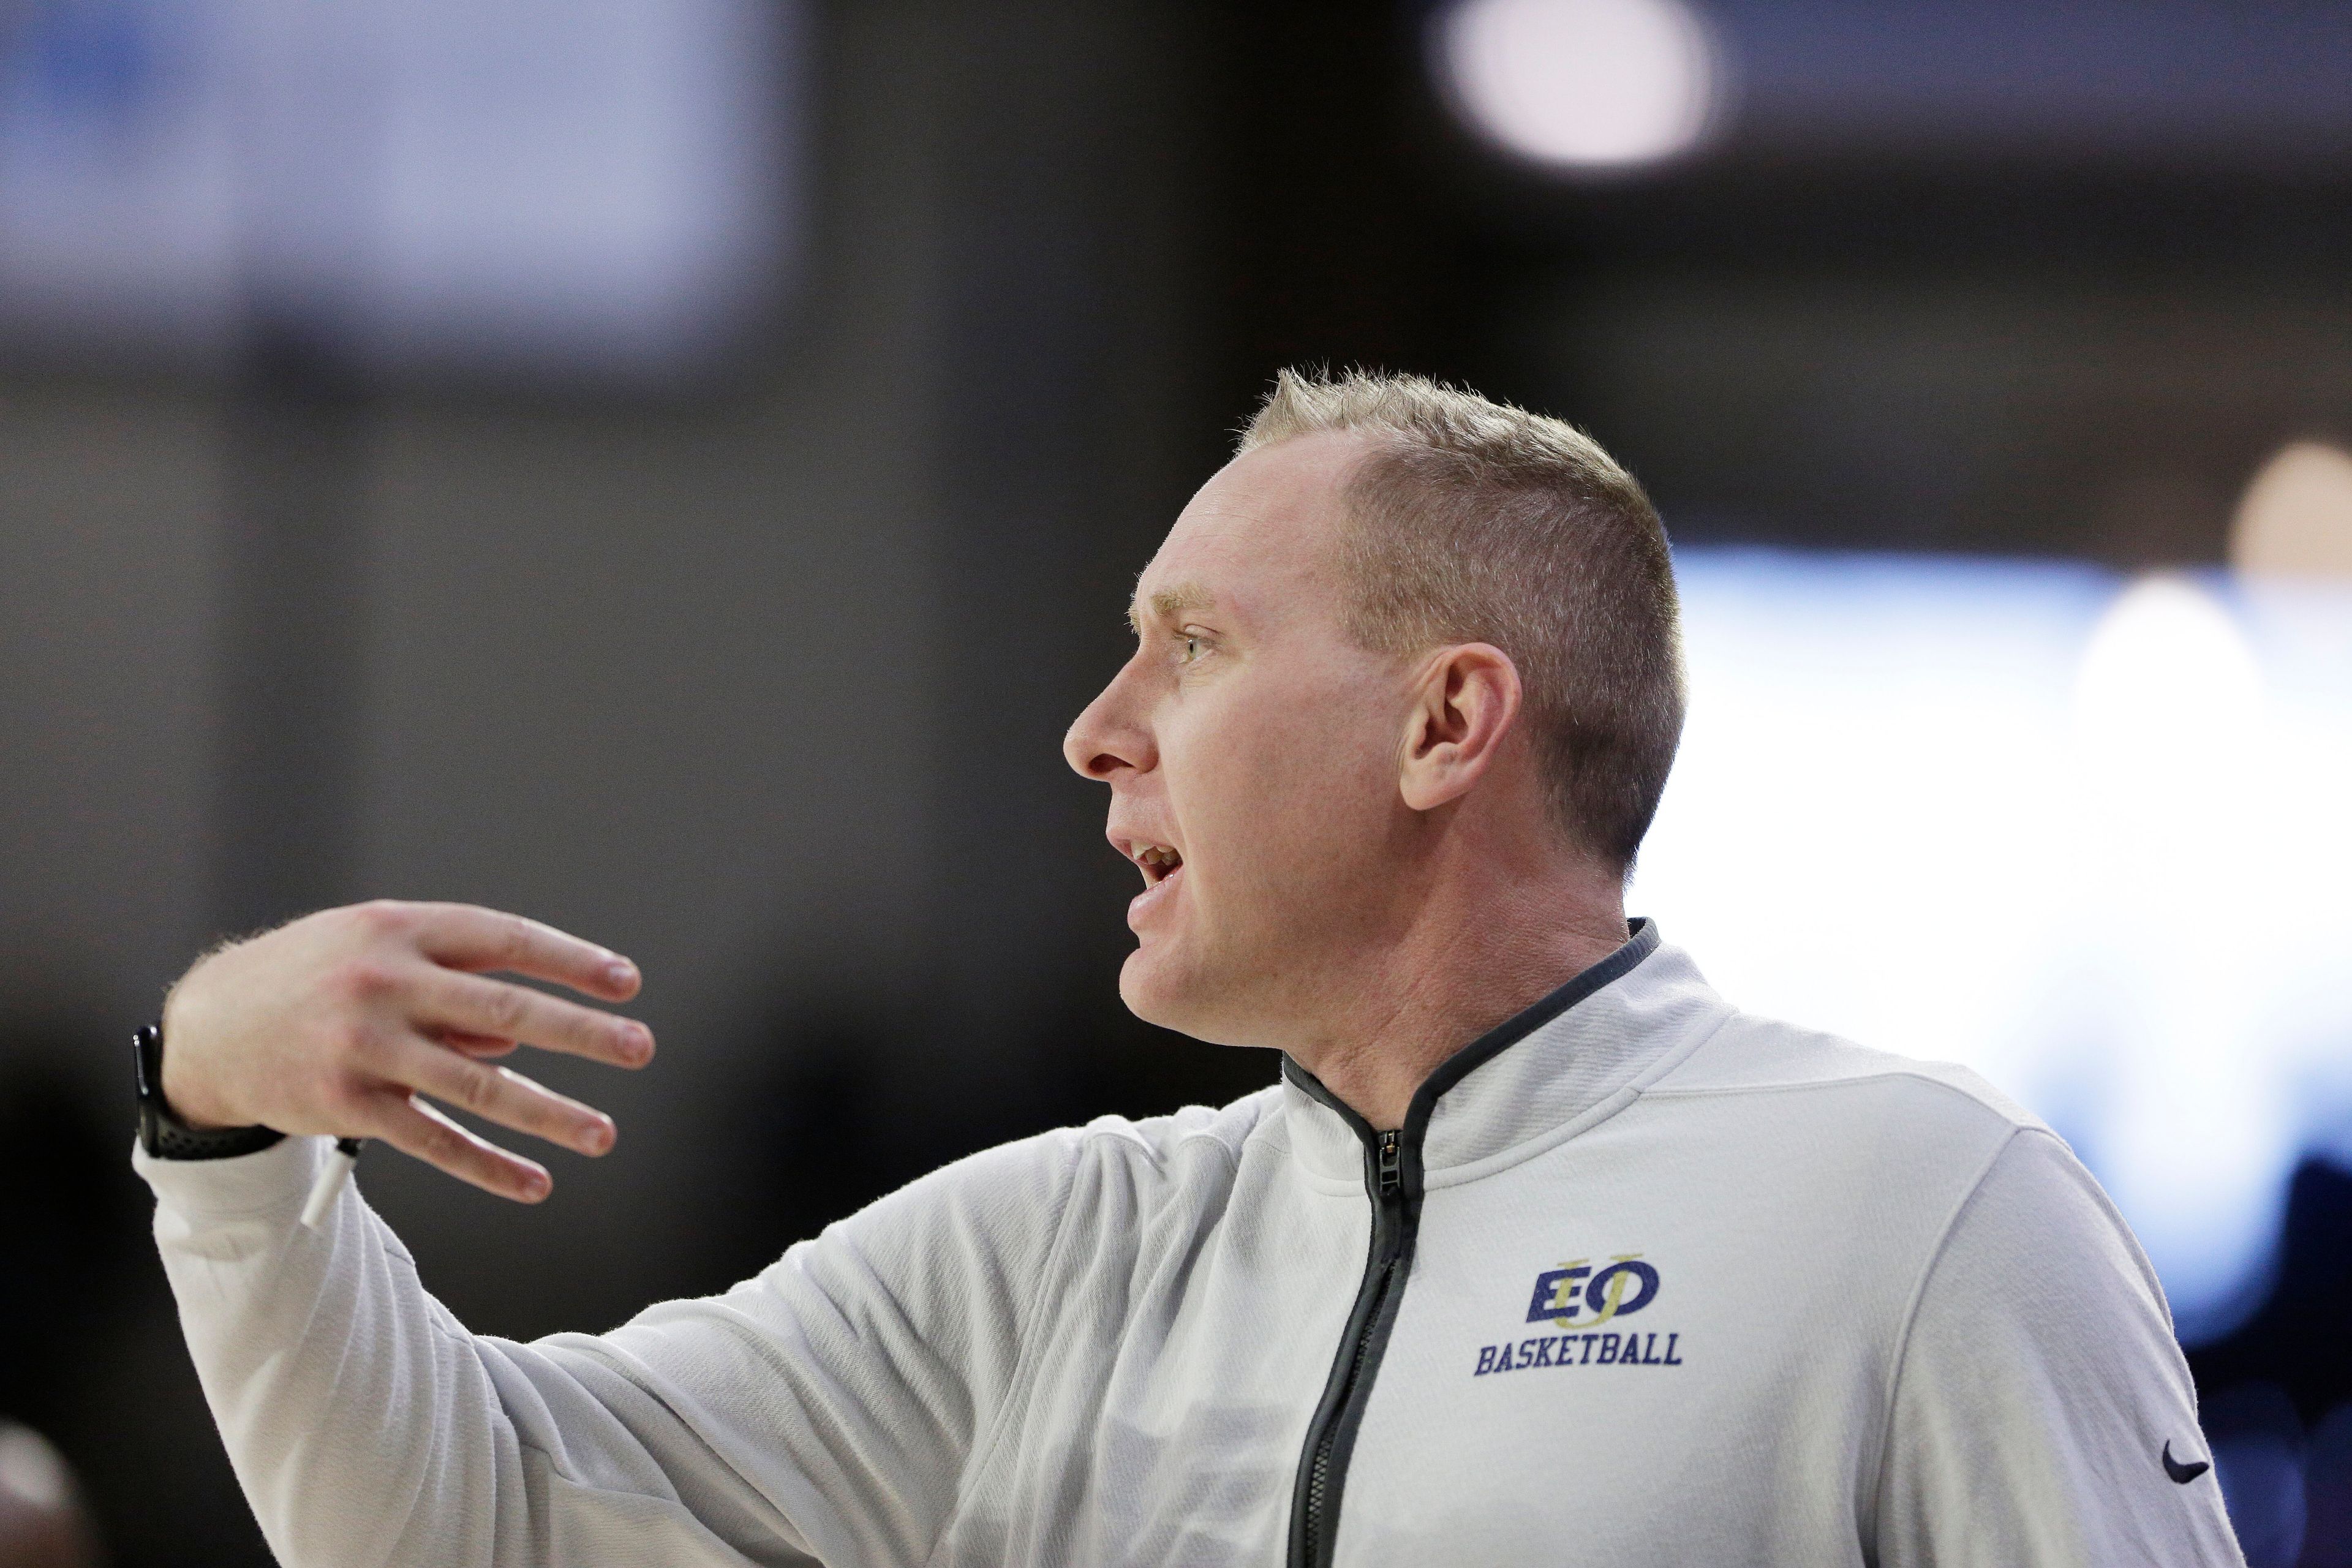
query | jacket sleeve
(2038,1387)
(825,1409)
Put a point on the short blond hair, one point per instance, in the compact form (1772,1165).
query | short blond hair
(1476,521)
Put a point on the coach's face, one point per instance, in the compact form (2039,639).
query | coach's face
(1252,750)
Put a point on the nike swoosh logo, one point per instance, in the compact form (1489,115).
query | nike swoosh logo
(2180,1473)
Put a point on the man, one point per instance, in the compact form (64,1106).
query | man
(1540,1251)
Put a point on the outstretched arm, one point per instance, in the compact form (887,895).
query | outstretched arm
(823,1409)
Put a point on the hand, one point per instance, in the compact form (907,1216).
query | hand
(340,1022)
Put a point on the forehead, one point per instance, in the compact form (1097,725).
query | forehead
(1259,537)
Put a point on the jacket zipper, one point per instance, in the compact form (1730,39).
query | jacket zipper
(1331,1437)
(1392,1175)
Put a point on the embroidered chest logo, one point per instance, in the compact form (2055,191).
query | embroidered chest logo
(1576,1300)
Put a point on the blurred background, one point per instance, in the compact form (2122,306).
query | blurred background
(675,467)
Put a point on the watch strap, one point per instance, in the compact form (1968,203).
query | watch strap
(160,1131)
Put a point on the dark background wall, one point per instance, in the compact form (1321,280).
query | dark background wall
(762,680)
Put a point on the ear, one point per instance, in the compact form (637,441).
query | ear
(1464,703)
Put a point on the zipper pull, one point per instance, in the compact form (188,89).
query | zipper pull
(1391,1163)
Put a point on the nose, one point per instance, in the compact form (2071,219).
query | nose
(1108,737)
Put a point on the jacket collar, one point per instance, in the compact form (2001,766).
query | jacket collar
(1571,1060)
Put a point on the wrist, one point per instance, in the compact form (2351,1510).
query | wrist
(188,1109)
(183,1101)
(164,1132)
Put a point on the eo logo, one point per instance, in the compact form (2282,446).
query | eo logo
(1624,1285)
(1575,1300)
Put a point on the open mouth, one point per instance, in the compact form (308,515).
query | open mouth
(1159,862)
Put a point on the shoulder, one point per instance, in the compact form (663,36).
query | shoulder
(1110,1164)
(1750,1055)
(1843,1124)
(2039,1209)
(1170,1144)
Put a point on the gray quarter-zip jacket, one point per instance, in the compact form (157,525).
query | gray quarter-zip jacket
(1641,1280)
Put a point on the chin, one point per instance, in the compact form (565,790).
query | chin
(1159,987)
(1142,986)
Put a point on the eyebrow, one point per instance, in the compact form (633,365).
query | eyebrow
(1168,603)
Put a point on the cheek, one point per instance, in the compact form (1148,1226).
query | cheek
(1290,793)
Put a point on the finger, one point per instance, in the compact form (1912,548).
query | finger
(498,1010)
(416,1129)
(481,1048)
(504,1095)
(465,936)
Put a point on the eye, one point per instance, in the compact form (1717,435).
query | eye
(1192,647)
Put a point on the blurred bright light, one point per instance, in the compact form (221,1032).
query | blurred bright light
(2296,517)
(1592,84)
(2167,719)
(33,1474)
(2089,838)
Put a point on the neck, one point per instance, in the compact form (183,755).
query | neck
(1462,965)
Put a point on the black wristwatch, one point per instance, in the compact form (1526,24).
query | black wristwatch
(162,1134)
